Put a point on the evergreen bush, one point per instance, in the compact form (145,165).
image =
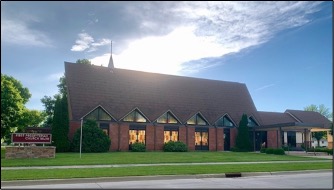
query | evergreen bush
(243,142)
(93,138)
(269,151)
(60,125)
(279,151)
(177,146)
(138,147)
(263,150)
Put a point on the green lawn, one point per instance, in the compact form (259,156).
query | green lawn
(7,175)
(63,159)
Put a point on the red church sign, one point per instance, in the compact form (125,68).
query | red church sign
(44,138)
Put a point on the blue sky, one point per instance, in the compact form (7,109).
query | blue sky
(282,51)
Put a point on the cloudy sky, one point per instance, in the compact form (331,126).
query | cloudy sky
(282,51)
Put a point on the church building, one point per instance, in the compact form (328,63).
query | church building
(134,106)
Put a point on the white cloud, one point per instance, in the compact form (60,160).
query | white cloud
(264,87)
(204,30)
(87,42)
(18,32)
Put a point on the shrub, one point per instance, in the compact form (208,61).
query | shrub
(242,140)
(269,151)
(177,146)
(138,147)
(93,138)
(279,151)
(235,149)
(330,151)
(263,150)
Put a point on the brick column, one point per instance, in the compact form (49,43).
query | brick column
(113,134)
(191,138)
(149,137)
(124,137)
(159,137)
(220,139)
(212,139)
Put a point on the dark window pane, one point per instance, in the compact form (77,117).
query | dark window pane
(93,115)
(192,120)
(171,118)
(130,117)
(103,115)
(140,118)
(200,120)
(162,119)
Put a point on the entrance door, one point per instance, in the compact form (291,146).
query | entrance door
(260,139)
(291,138)
(201,139)
(227,145)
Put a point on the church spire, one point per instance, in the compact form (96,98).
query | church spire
(111,62)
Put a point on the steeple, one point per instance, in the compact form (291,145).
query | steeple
(111,62)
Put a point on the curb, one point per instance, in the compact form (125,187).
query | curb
(158,177)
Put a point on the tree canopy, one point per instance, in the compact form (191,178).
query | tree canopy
(84,61)
(14,115)
(323,111)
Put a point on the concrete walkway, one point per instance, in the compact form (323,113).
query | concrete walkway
(161,164)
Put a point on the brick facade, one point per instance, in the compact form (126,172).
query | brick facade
(150,137)
(113,134)
(190,138)
(74,125)
(272,139)
(159,137)
(220,139)
(212,139)
(124,137)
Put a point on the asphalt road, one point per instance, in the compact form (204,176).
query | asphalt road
(316,180)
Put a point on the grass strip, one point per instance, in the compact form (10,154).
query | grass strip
(64,159)
(8,175)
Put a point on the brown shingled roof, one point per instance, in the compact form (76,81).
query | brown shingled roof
(153,94)
(310,117)
(271,118)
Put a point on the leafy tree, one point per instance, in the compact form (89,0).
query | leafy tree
(24,92)
(323,111)
(60,125)
(49,105)
(49,102)
(242,140)
(83,61)
(30,118)
(11,107)
(93,138)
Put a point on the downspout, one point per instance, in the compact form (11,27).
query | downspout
(254,139)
